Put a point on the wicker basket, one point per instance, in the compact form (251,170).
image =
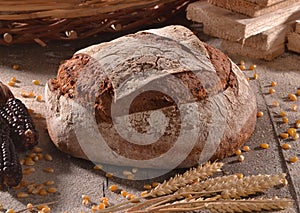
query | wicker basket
(43,20)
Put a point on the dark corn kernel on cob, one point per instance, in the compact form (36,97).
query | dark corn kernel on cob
(10,167)
(23,132)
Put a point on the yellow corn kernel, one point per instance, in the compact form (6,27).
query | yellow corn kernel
(282,113)
(31,94)
(252,67)
(242,62)
(298,92)
(100,206)
(129,196)
(285,120)
(246,148)
(275,103)
(49,170)
(49,182)
(10,211)
(36,82)
(284,135)
(123,193)
(286,146)
(106,203)
(39,98)
(271,91)
(297,124)
(24,94)
(273,83)
(85,197)
(294,107)
(52,190)
(11,83)
(22,195)
(155,184)
(255,76)
(147,186)
(29,162)
(242,67)
(113,188)
(291,131)
(293,159)
(239,176)
(284,182)
(48,157)
(46,209)
(13,79)
(16,67)
(260,114)
(29,207)
(238,152)
(98,167)
(43,192)
(37,149)
(264,146)
(144,193)
(94,208)
(85,202)
(292,97)
(296,136)
(109,175)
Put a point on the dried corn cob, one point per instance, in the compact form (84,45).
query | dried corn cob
(5,94)
(10,167)
(23,132)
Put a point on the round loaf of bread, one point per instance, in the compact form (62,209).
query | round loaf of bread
(156,98)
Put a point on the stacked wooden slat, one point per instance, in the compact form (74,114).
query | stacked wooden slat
(294,39)
(253,28)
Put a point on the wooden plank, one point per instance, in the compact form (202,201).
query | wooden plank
(231,47)
(265,2)
(249,8)
(263,41)
(238,26)
(294,42)
(297,29)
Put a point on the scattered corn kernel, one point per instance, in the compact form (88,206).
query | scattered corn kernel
(284,135)
(98,167)
(292,97)
(100,206)
(298,92)
(94,208)
(16,67)
(297,124)
(248,79)
(155,184)
(238,152)
(85,202)
(36,82)
(252,67)
(255,76)
(46,209)
(109,175)
(49,170)
(48,157)
(10,211)
(293,159)
(113,188)
(291,131)
(264,146)
(43,192)
(129,196)
(106,203)
(13,79)
(29,162)
(52,190)
(242,67)
(296,136)
(39,98)
(273,83)
(260,114)
(31,94)
(123,193)
(37,149)
(294,107)
(285,120)
(24,94)
(282,113)
(271,91)
(286,146)
(85,197)
(241,158)
(147,186)
(49,182)
(240,176)
(11,83)
(22,195)
(284,182)
(242,62)
(275,103)
(246,148)
(29,207)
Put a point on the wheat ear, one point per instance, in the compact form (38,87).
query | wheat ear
(180,180)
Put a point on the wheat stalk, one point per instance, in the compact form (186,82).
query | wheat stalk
(233,187)
(223,206)
(181,180)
